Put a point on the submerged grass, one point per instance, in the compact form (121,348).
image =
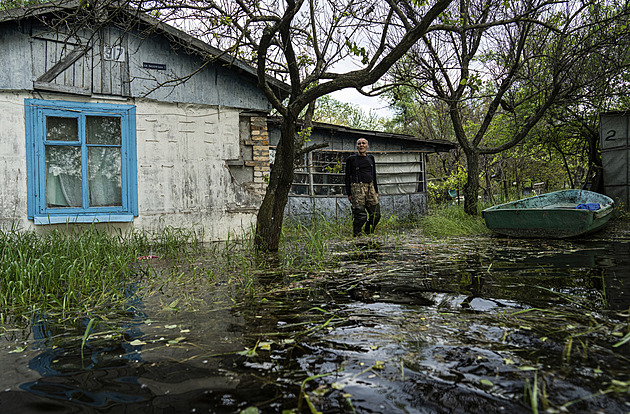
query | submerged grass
(306,244)
(80,272)
(75,271)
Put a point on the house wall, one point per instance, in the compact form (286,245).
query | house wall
(211,84)
(13,160)
(201,158)
(15,61)
(184,179)
(304,208)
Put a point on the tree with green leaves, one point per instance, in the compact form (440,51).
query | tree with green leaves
(510,63)
(427,118)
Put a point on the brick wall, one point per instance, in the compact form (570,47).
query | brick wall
(260,144)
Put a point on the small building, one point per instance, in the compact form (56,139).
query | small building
(615,146)
(319,183)
(129,123)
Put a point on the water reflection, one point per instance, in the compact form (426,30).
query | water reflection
(99,374)
(617,275)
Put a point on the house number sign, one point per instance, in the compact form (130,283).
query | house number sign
(613,130)
(114,53)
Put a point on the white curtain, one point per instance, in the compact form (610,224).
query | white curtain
(104,176)
(64,186)
(398,172)
(63,176)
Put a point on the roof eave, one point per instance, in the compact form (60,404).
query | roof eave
(439,145)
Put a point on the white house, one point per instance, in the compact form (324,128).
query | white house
(129,124)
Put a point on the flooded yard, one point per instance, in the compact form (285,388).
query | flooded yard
(394,324)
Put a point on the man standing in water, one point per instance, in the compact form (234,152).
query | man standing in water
(362,189)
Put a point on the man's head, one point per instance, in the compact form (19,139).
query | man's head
(362,146)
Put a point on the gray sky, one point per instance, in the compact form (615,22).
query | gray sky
(366,103)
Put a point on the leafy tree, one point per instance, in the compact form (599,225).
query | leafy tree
(427,118)
(509,63)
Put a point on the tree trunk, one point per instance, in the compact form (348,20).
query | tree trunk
(504,182)
(488,191)
(595,163)
(471,188)
(271,212)
(517,179)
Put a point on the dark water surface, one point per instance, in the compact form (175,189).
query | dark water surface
(399,324)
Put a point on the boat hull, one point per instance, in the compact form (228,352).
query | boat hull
(552,215)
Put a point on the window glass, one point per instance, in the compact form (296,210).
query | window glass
(323,174)
(62,129)
(324,168)
(104,172)
(103,130)
(64,181)
(338,179)
(300,184)
(63,176)
(328,162)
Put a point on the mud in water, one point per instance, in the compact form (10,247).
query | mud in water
(396,324)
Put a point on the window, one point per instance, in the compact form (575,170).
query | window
(81,162)
(321,173)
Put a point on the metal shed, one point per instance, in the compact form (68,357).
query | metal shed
(615,142)
(318,186)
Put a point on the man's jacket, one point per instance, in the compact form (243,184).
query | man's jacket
(352,172)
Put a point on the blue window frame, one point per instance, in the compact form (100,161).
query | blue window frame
(81,162)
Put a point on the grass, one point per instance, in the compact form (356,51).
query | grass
(305,244)
(451,220)
(68,271)
(82,272)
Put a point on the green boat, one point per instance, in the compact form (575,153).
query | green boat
(560,214)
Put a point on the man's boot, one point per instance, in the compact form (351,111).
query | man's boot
(374,216)
(359,218)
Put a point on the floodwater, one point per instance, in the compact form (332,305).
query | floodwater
(398,324)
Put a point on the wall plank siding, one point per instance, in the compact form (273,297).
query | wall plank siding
(151,67)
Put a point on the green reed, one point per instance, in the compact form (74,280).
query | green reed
(306,243)
(76,270)
(87,270)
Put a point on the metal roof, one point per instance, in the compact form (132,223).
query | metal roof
(440,145)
